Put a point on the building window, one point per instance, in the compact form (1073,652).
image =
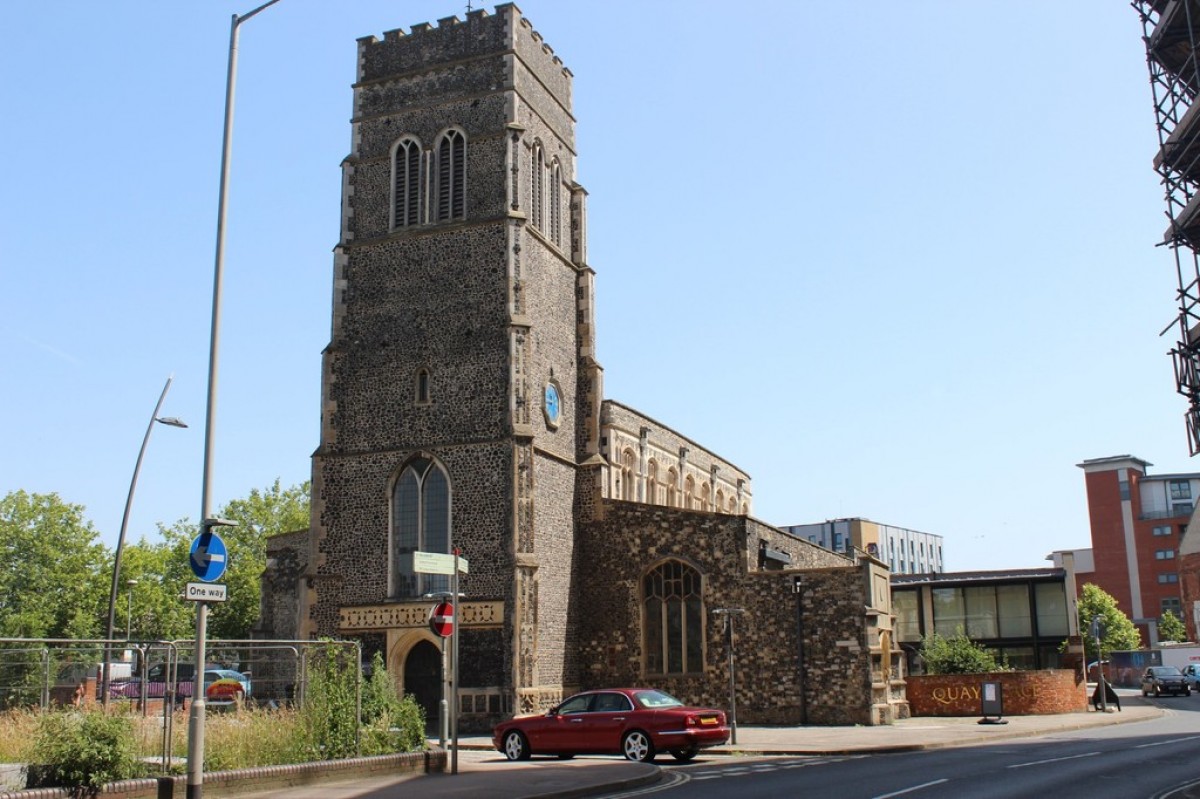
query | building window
(422,387)
(1164,554)
(652,483)
(537,178)
(674,619)
(1172,605)
(1051,602)
(1168,578)
(452,176)
(1123,487)
(420,523)
(1181,489)
(905,604)
(556,204)
(406,183)
(1181,509)
(1164,529)
(628,460)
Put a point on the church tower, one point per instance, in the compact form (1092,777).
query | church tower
(459,390)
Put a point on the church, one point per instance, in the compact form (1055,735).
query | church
(462,408)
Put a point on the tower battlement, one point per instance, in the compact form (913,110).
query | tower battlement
(453,39)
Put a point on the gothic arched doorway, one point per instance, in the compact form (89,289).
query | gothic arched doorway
(423,679)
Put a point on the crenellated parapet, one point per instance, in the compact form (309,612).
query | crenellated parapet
(480,35)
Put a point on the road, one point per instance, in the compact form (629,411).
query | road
(1124,761)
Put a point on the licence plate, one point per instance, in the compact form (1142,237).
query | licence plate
(708,720)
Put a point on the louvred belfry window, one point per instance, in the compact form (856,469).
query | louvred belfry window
(451,176)
(406,184)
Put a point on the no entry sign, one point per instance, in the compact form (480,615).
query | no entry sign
(441,620)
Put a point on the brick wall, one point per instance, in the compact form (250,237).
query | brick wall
(1024,693)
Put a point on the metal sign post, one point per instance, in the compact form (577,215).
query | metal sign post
(454,671)
(208,559)
(443,621)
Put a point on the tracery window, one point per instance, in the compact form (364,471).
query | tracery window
(406,183)
(674,619)
(420,523)
(452,176)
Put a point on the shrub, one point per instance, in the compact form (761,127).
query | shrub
(957,654)
(329,714)
(87,749)
(390,724)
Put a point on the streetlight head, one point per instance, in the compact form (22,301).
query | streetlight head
(170,421)
(131,581)
(216,522)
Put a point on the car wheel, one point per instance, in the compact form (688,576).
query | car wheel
(515,746)
(684,755)
(637,746)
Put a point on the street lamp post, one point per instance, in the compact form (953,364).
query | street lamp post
(729,613)
(195,772)
(129,610)
(170,421)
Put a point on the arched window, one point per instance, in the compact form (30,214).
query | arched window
(705,494)
(672,488)
(452,176)
(720,501)
(628,459)
(674,619)
(422,386)
(406,183)
(556,203)
(689,493)
(420,523)
(652,483)
(537,178)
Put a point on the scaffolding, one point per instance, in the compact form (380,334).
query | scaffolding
(1171,32)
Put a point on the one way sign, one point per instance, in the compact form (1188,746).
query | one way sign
(208,556)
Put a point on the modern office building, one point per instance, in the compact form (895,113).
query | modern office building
(904,551)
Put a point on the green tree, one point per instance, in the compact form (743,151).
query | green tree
(259,516)
(956,654)
(53,572)
(1118,632)
(162,568)
(1170,628)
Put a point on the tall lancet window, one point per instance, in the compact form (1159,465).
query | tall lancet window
(406,183)
(556,204)
(452,176)
(420,523)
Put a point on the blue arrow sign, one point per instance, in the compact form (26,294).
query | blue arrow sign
(208,557)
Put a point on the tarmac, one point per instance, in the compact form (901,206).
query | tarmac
(484,773)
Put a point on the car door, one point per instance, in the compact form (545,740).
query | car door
(562,730)
(607,721)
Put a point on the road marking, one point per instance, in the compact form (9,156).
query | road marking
(1052,760)
(910,790)
(670,779)
(1165,743)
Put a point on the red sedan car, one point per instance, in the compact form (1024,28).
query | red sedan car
(635,722)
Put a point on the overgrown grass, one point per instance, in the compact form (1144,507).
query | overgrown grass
(18,732)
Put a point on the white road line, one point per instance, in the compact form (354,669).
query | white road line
(910,790)
(1165,743)
(1052,760)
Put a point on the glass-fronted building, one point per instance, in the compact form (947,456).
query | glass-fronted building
(1023,616)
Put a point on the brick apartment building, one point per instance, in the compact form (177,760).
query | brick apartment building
(1137,525)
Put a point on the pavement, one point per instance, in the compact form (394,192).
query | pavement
(483,773)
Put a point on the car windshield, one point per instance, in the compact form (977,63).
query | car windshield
(1166,671)
(656,699)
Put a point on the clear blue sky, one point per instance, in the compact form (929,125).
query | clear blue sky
(896,260)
